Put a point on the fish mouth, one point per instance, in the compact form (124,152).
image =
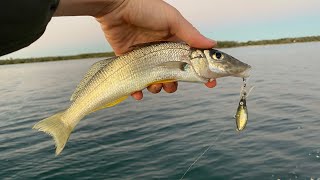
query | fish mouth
(245,73)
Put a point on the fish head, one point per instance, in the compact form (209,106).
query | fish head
(212,63)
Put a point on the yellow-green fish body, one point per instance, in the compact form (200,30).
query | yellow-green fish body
(108,82)
(242,114)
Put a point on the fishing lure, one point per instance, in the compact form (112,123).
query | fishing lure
(241,115)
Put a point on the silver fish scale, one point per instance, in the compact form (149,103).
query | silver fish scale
(128,59)
(87,77)
(125,75)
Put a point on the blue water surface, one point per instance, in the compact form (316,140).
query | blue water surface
(161,136)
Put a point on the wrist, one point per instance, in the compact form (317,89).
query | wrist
(86,7)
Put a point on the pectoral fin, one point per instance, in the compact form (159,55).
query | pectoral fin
(111,104)
(175,65)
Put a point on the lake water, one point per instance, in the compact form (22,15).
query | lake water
(160,136)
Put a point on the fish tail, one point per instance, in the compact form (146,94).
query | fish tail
(55,127)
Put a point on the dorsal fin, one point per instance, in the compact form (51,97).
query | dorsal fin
(87,77)
(141,45)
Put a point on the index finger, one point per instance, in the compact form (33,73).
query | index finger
(184,30)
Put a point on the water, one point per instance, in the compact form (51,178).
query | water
(160,137)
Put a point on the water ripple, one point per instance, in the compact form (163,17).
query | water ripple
(159,137)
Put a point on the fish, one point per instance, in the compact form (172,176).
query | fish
(110,81)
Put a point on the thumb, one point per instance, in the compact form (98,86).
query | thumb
(184,30)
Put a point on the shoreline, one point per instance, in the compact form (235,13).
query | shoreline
(221,44)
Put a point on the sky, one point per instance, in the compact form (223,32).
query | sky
(238,20)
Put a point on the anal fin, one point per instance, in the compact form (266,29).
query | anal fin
(113,103)
(162,81)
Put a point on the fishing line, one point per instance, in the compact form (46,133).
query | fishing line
(194,162)
(243,91)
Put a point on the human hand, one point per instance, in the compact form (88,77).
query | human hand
(129,22)
(139,21)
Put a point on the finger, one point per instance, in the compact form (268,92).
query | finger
(211,84)
(174,39)
(137,95)
(170,87)
(185,31)
(154,88)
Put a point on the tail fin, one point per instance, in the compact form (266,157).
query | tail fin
(55,127)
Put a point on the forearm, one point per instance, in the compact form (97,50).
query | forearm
(86,7)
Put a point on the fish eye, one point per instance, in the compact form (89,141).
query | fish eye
(241,103)
(217,56)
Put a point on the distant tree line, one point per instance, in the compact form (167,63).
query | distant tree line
(221,44)
(56,58)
